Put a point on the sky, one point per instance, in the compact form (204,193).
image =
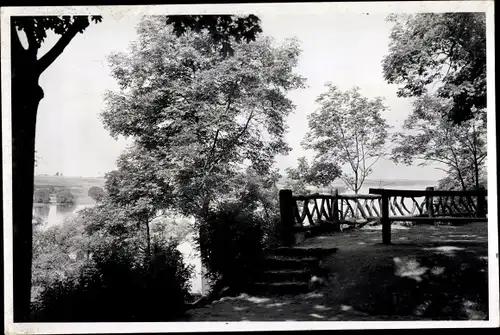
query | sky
(345,49)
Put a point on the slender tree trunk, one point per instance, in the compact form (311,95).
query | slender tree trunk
(25,96)
(356,189)
(476,172)
(148,240)
(461,179)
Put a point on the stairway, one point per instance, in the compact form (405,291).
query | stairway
(288,270)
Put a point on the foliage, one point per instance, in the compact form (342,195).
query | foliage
(115,287)
(42,195)
(65,196)
(347,129)
(260,194)
(452,180)
(96,193)
(109,224)
(231,245)
(222,28)
(169,227)
(58,253)
(447,49)
(297,178)
(323,174)
(200,115)
(431,139)
(139,188)
(26,95)
(236,232)
(319,174)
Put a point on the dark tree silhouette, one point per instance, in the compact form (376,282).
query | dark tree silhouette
(26,95)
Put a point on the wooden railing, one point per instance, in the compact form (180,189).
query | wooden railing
(436,206)
(318,212)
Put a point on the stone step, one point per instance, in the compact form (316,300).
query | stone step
(304,251)
(279,262)
(285,287)
(303,275)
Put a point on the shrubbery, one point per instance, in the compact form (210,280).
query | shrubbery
(231,246)
(65,196)
(115,286)
(42,195)
(96,193)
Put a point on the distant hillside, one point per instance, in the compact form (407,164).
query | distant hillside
(79,186)
(373,183)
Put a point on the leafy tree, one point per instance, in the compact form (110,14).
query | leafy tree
(319,174)
(65,196)
(96,193)
(347,129)
(42,195)
(198,114)
(169,227)
(431,139)
(323,174)
(222,28)
(297,178)
(58,252)
(140,188)
(27,94)
(441,51)
(258,192)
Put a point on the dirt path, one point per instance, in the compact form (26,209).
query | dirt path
(429,273)
(306,307)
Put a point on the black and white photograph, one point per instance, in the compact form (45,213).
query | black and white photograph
(249,166)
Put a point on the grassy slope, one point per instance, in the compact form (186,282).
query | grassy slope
(79,186)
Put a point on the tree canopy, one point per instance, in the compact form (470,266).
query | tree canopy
(297,177)
(347,130)
(429,138)
(96,193)
(200,115)
(442,54)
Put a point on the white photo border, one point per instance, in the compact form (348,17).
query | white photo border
(253,8)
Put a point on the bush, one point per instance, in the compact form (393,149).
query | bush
(231,246)
(65,196)
(42,195)
(117,287)
(96,193)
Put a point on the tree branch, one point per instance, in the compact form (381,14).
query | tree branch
(345,146)
(347,183)
(47,59)
(16,45)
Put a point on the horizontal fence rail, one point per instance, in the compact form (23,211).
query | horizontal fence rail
(307,212)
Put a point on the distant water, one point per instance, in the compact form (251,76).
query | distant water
(55,214)
(389,184)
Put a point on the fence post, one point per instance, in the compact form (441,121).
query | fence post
(335,209)
(429,204)
(287,217)
(386,224)
(481,203)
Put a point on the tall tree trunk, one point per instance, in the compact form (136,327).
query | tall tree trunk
(25,97)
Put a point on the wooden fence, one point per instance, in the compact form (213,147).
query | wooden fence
(317,212)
